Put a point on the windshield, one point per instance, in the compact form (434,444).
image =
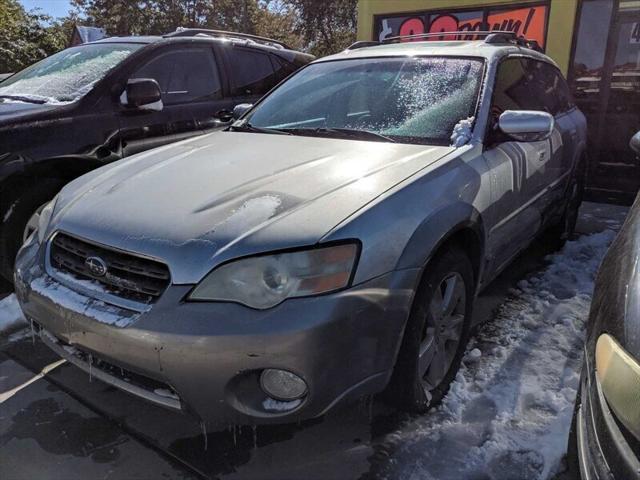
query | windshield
(67,75)
(409,99)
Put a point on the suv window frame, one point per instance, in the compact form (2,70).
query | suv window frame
(162,50)
(233,88)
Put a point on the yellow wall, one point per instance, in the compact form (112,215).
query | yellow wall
(561,19)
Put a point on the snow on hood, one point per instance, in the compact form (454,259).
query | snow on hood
(508,413)
(200,202)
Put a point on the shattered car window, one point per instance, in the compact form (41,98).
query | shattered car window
(67,75)
(408,99)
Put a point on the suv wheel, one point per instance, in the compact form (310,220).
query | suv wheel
(20,218)
(436,334)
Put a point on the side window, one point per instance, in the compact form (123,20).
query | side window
(282,68)
(512,89)
(252,72)
(551,86)
(559,89)
(184,75)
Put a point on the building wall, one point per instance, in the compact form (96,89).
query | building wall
(562,14)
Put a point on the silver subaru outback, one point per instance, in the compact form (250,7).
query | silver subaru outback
(329,245)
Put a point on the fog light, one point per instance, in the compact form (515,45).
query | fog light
(282,385)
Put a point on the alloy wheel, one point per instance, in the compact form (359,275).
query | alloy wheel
(443,330)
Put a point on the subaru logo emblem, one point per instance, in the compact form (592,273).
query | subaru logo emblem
(97,267)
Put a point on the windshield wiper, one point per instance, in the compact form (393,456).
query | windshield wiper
(343,132)
(247,127)
(22,98)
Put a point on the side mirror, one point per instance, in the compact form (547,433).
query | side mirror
(142,94)
(240,109)
(526,125)
(635,143)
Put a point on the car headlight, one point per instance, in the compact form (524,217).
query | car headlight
(619,376)
(264,281)
(45,218)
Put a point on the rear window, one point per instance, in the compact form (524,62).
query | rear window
(252,71)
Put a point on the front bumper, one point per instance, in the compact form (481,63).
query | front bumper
(603,451)
(210,354)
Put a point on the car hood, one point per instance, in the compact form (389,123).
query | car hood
(615,307)
(10,111)
(198,203)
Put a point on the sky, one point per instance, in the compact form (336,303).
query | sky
(55,8)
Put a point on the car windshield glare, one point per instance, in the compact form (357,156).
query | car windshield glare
(407,99)
(67,75)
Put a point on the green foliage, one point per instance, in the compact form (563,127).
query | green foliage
(26,37)
(318,26)
(327,26)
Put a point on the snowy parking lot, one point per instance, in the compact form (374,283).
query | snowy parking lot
(507,415)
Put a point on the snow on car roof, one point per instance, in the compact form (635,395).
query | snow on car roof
(148,39)
(473,48)
(130,39)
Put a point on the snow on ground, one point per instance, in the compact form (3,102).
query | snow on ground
(508,413)
(10,314)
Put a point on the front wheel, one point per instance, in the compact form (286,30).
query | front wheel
(436,334)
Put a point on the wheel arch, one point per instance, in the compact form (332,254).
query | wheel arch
(18,172)
(458,224)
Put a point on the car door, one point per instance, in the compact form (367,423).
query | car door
(520,171)
(253,72)
(193,96)
(556,100)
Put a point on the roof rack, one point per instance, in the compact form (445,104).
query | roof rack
(192,32)
(492,37)
(362,44)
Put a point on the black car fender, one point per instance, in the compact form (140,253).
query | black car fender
(15,168)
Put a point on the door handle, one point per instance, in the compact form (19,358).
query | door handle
(542,155)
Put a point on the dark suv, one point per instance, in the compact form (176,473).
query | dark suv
(99,102)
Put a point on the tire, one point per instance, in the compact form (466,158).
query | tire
(21,202)
(557,235)
(409,389)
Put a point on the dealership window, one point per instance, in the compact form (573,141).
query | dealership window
(605,77)
(591,45)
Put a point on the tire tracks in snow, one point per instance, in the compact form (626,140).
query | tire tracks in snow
(508,413)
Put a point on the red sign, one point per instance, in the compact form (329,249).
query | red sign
(529,22)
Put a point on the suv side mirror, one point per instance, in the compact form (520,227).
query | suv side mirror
(241,109)
(635,143)
(142,94)
(526,125)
